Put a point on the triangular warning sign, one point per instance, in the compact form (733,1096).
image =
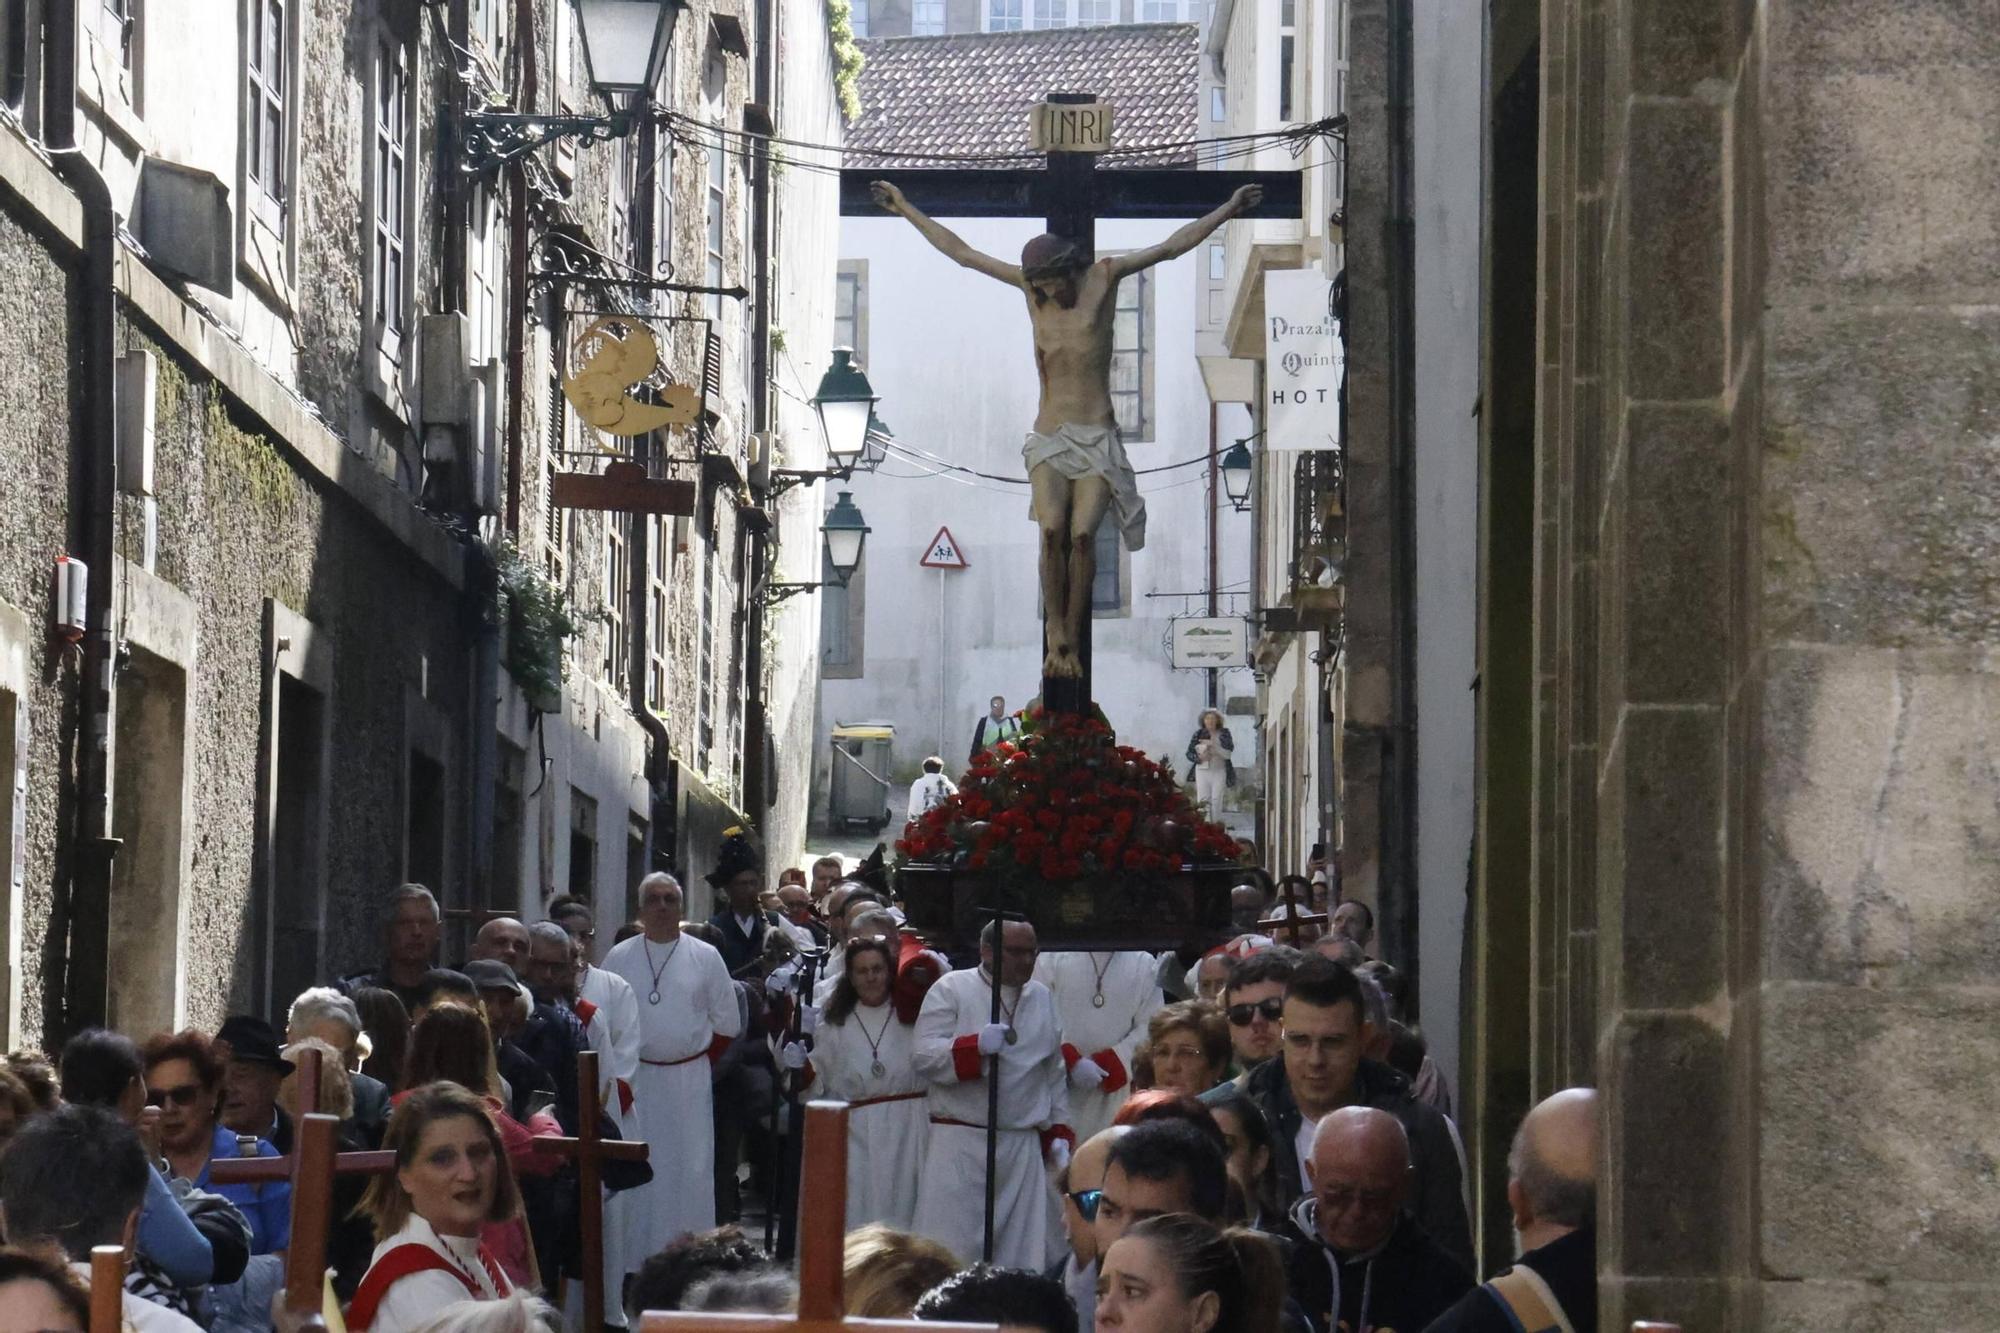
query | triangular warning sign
(944,552)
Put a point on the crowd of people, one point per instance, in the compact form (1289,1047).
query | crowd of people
(1245,1140)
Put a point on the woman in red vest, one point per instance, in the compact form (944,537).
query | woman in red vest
(451,1180)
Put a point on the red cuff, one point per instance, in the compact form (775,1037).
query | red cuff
(965,1061)
(624,1097)
(1054,1132)
(717,1047)
(1070,1055)
(1115,1076)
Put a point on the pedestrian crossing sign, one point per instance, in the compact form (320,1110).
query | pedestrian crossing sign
(944,552)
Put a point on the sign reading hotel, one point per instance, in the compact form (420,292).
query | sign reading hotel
(1209,642)
(1071,127)
(1303,361)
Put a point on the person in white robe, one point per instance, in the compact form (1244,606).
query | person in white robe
(1103,1004)
(955,1037)
(687,1016)
(862,1055)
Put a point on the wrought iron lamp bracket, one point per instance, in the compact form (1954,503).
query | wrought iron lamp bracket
(494,138)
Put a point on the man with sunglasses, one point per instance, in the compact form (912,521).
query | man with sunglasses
(1254,1000)
(1321,1069)
(1082,1187)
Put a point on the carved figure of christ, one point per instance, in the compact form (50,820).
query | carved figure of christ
(1077,469)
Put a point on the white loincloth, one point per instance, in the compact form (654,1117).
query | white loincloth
(1093,451)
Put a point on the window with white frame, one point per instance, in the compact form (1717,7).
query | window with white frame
(711,574)
(485,264)
(850,308)
(1003,15)
(1161,11)
(1048,14)
(268,112)
(656,612)
(1132,357)
(1091,13)
(715,103)
(1218,104)
(617,576)
(857,17)
(1218,262)
(1288,43)
(926,18)
(391,114)
(488,21)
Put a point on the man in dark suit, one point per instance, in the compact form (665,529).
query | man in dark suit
(745,928)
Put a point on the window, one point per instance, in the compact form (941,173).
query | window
(705,697)
(1092,12)
(1218,104)
(389,188)
(555,519)
(656,613)
(715,99)
(850,308)
(485,261)
(1218,262)
(842,620)
(1131,357)
(20,60)
(489,28)
(858,17)
(617,580)
(582,844)
(1160,11)
(1003,15)
(1048,14)
(1287,54)
(1107,589)
(927,18)
(424,822)
(266,120)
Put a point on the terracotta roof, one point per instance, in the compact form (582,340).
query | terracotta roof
(972,92)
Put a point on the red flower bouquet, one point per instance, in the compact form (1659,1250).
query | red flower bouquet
(1066,804)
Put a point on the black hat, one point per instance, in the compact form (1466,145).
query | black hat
(492,974)
(736,855)
(873,872)
(253,1041)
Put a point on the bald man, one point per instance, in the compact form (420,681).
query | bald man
(1552,1190)
(1358,1259)
(1082,1186)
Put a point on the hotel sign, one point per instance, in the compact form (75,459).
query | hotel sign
(1303,361)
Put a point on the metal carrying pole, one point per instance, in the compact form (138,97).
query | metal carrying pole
(994,917)
(804,981)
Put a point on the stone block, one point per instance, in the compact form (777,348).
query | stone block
(1676,553)
(1690,1303)
(1881,475)
(1674,266)
(1611,608)
(1884,170)
(1584,655)
(1680,45)
(1880,1157)
(1744,187)
(1661,868)
(1881,801)
(1666,1097)
(1833,1306)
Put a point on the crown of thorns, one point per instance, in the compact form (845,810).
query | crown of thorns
(1051,256)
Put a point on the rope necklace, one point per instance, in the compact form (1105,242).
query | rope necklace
(647,945)
(875,1041)
(1097,1000)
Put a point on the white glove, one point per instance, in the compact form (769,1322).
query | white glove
(793,1056)
(808,1019)
(1087,1074)
(992,1038)
(1058,1154)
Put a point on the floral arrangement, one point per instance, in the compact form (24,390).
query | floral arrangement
(1066,803)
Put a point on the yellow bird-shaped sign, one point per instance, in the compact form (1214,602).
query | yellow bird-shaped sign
(625,354)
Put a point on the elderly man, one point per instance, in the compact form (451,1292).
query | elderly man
(955,1039)
(553,1036)
(252,1070)
(1358,1261)
(687,1018)
(1211,977)
(504,940)
(795,908)
(1552,1190)
(1355,920)
(410,928)
(1246,907)
(325,1013)
(1322,1069)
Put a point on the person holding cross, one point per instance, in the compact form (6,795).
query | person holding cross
(1077,467)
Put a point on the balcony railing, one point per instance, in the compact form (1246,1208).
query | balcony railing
(1319,529)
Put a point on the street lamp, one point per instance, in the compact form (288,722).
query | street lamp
(625,48)
(846,405)
(880,438)
(1236,476)
(842,537)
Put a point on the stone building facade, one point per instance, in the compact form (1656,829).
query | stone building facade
(1738,703)
(290,369)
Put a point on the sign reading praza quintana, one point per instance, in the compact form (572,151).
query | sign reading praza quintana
(1303,361)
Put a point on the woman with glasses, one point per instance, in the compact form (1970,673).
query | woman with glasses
(861,1055)
(184,1080)
(451,1182)
(1180,1274)
(1187,1048)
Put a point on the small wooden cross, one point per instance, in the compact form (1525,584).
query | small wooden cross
(1292,921)
(107,1289)
(591,1151)
(822,1221)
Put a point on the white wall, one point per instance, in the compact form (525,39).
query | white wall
(1448,62)
(949,352)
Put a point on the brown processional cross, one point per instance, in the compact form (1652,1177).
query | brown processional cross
(1292,921)
(1071,194)
(822,1223)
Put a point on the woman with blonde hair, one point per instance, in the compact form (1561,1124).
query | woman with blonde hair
(451,1182)
(884,1271)
(862,1056)
(1180,1274)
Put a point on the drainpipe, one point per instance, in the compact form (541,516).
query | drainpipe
(78,979)
(757,794)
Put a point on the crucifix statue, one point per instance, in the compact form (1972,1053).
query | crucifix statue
(1077,467)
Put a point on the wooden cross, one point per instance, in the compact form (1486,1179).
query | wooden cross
(1071,193)
(107,1289)
(1292,921)
(311,1168)
(591,1151)
(822,1224)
